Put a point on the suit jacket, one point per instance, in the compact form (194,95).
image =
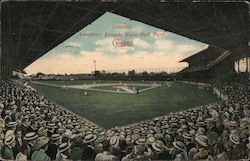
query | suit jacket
(40,156)
(88,154)
(76,153)
(52,151)
(237,152)
(17,148)
(7,153)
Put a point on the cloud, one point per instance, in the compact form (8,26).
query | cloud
(163,45)
(140,43)
(138,28)
(102,42)
(73,44)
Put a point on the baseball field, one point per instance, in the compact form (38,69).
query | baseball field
(114,103)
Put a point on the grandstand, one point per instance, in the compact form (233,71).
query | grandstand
(32,126)
(209,63)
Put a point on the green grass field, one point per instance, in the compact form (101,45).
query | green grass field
(112,109)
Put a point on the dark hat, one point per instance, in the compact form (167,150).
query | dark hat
(77,141)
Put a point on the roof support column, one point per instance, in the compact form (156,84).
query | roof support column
(1,63)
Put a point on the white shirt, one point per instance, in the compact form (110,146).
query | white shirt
(105,156)
(21,157)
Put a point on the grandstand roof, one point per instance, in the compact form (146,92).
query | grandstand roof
(204,53)
(205,59)
(31,29)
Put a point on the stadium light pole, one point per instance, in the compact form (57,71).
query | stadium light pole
(94,65)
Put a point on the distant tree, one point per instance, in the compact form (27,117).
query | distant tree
(40,74)
(97,73)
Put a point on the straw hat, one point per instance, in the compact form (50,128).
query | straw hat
(61,131)
(192,125)
(151,140)
(187,135)
(55,137)
(42,141)
(179,131)
(9,132)
(128,140)
(42,131)
(51,126)
(158,146)
(1,105)
(232,123)
(12,103)
(30,136)
(210,120)
(234,138)
(101,137)
(9,139)
(179,145)
(7,112)
(2,123)
(63,147)
(157,129)
(248,146)
(140,141)
(89,138)
(114,141)
(167,138)
(202,140)
(122,137)
(135,137)
(11,124)
(136,131)
(170,131)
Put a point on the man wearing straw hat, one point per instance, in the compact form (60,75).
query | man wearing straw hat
(89,153)
(63,152)
(235,150)
(30,138)
(19,141)
(77,148)
(181,153)
(202,145)
(161,151)
(39,154)
(53,146)
(105,155)
(220,150)
(7,151)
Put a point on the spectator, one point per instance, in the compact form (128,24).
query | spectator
(7,151)
(105,155)
(39,154)
(22,155)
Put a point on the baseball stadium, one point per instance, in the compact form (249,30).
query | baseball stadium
(124,81)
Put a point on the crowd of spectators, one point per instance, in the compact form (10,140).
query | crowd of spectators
(34,128)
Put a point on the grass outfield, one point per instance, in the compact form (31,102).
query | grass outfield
(112,109)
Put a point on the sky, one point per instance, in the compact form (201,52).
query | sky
(116,43)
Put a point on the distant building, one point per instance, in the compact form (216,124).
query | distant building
(131,73)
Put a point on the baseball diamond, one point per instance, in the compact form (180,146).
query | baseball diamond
(123,107)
